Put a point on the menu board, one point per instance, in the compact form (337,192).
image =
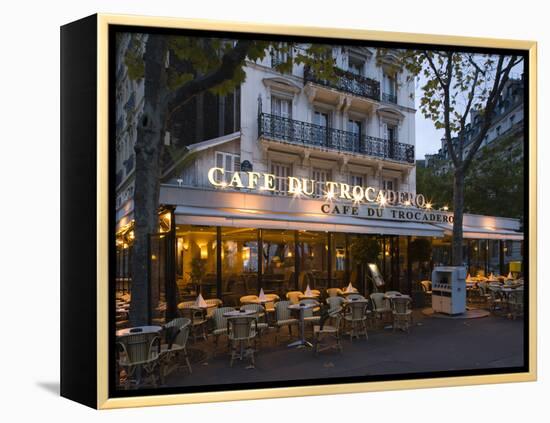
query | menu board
(376,275)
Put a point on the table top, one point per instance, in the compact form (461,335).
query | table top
(312,297)
(144,329)
(302,306)
(238,313)
(349,292)
(390,296)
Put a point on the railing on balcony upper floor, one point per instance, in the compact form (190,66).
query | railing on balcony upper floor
(389,98)
(347,81)
(308,134)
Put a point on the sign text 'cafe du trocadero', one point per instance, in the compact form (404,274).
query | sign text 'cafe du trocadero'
(342,198)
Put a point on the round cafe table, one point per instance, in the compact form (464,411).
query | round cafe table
(144,329)
(300,343)
(238,313)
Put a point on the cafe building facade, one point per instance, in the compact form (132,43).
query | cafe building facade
(297,181)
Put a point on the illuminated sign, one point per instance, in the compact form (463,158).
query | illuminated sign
(305,187)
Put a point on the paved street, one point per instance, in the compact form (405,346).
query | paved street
(432,345)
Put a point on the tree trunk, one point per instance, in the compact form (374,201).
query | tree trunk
(458,199)
(146,189)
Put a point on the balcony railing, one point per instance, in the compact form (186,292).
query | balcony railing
(348,82)
(308,134)
(389,98)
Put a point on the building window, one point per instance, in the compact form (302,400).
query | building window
(389,184)
(228,162)
(320,176)
(279,57)
(498,130)
(356,65)
(320,132)
(354,137)
(281,107)
(281,171)
(390,89)
(355,179)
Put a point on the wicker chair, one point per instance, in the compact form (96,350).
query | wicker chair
(175,347)
(249,299)
(334,292)
(496,301)
(393,293)
(335,304)
(402,313)
(356,314)
(309,314)
(213,304)
(140,354)
(293,296)
(283,317)
(515,303)
(381,306)
(260,316)
(321,335)
(220,323)
(197,316)
(242,336)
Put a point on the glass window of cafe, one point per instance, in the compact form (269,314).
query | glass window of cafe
(196,261)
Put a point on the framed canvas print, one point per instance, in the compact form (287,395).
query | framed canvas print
(253,211)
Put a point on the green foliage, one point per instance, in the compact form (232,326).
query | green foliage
(435,184)
(421,250)
(198,268)
(365,250)
(494,183)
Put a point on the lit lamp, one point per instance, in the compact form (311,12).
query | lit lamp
(204,251)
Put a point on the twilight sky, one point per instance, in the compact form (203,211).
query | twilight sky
(428,139)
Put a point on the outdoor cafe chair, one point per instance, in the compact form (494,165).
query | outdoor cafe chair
(260,316)
(393,293)
(220,323)
(356,314)
(293,296)
(283,317)
(176,333)
(197,317)
(249,299)
(496,300)
(402,313)
(335,304)
(334,292)
(140,353)
(242,332)
(213,304)
(322,334)
(309,313)
(355,296)
(381,305)
(515,303)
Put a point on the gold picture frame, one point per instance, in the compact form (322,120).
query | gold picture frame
(103,401)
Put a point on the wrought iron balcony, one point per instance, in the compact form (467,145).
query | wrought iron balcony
(348,82)
(308,134)
(389,98)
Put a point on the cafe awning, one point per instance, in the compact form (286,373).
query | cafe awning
(483,232)
(186,215)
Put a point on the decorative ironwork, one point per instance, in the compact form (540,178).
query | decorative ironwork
(347,81)
(389,98)
(308,134)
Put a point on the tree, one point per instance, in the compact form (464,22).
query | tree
(493,184)
(456,84)
(174,69)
